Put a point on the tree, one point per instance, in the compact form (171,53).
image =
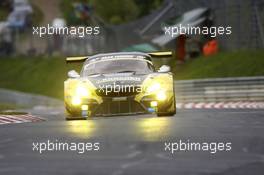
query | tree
(146,6)
(112,11)
(116,11)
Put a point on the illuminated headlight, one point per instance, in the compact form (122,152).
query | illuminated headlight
(85,107)
(153,104)
(161,96)
(76,101)
(153,88)
(82,91)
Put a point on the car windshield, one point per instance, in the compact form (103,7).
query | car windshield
(118,66)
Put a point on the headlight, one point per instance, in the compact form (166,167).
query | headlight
(161,96)
(76,101)
(82,92)
(153,88)
(154,104)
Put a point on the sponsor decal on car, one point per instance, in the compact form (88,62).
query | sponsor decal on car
(113,79)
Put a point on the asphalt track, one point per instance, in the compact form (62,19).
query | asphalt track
(134,145)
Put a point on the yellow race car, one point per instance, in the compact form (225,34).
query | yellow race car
(119,84)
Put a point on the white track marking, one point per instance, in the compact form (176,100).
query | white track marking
(9,119)
(221,105)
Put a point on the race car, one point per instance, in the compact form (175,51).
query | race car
(120,83)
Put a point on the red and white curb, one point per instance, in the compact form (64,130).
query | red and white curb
(221,105)
(9,119)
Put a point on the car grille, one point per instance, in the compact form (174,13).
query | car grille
(110,107)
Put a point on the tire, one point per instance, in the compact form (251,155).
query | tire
(169,113)
(69,116)
(70,119)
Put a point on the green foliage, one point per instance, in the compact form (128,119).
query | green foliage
(146,6)
(235,64)
(111,11)
(35,75)
(5,106)
(67,8)
(37,16)
(3,14)
(116,11)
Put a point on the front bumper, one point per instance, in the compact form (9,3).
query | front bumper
(113,106)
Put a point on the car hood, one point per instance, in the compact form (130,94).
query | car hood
(117,79)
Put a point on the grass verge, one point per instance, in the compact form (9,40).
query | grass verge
(38,75)
(9,109)
(235,64)
(5,106)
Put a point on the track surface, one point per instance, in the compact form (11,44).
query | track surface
(135,144)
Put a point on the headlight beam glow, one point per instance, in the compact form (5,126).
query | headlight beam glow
(76,101)
(82,91)
(161,96)
(153,88)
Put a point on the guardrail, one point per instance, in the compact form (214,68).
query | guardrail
(26,99)
(220,90)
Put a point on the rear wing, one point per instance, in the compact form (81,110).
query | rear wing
(76,59)
(160,54)
(152,54)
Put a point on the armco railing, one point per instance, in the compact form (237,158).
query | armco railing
(220,89)
(26,99)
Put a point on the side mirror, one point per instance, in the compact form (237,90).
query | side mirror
(73,74)
(164,69)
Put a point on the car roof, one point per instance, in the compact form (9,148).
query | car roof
(114,55)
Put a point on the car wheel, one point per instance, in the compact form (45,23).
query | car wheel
(168,112)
